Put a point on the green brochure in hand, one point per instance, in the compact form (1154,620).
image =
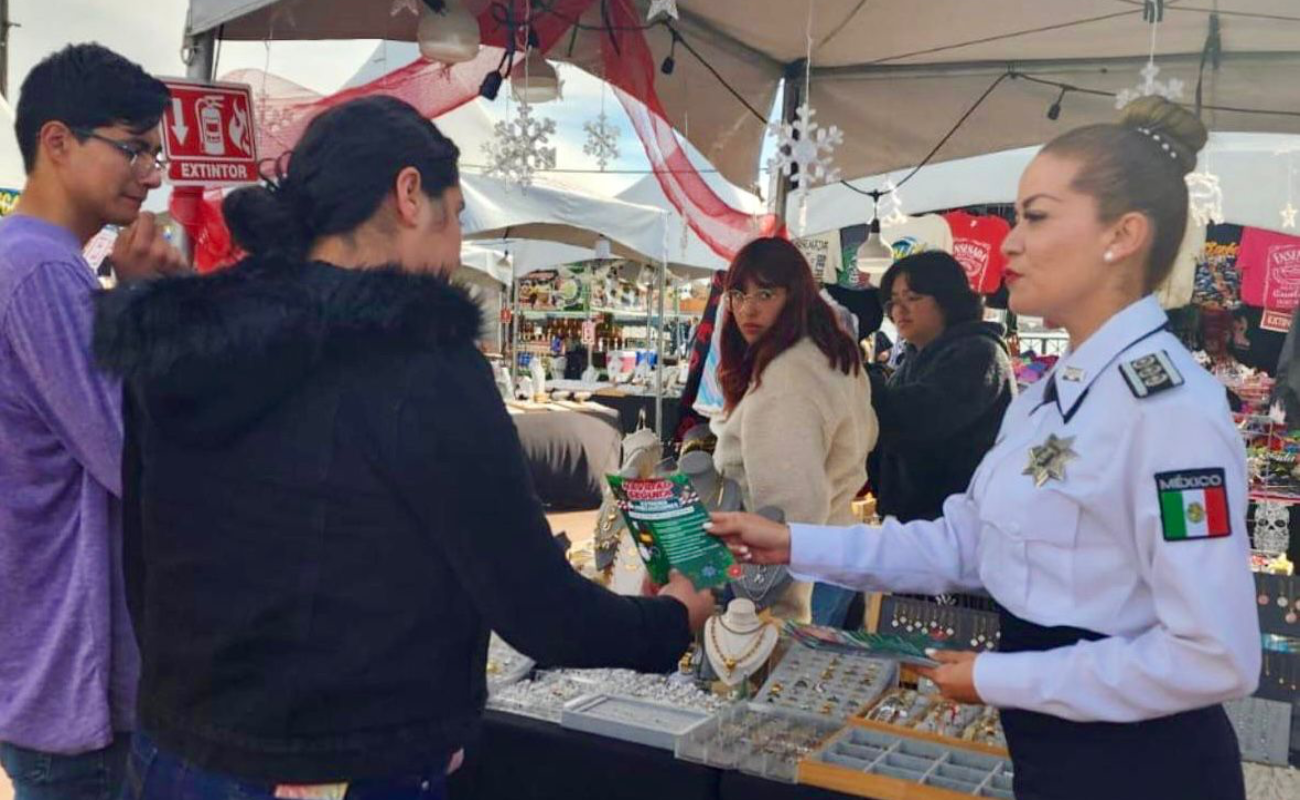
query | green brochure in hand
(666,520)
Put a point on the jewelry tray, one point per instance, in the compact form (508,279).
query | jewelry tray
(630,719)
(511,665)
(1263,729)
(826,683)
(872,763)
(756,739)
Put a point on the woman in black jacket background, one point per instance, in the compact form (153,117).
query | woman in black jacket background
(326,503)
(941,409)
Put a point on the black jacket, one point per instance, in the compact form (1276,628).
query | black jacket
(939,414)
(327,509)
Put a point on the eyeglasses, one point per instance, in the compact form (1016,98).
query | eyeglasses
(907,300)
(139,159)
(737,299)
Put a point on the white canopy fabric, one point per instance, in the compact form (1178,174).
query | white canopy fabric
(894,75)
(1252,170)
(494,209)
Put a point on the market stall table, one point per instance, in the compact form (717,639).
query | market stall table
(517,758)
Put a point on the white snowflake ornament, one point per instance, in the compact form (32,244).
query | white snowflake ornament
(807,145)
(519,147)
(658,7)
(1205,197)
(602,140)
(1150,85)
(891,206)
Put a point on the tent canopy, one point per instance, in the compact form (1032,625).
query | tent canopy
(494,209)
(1248,166)
(895,75)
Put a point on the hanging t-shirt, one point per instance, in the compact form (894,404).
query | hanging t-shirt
(1178,288)
(918,235)
(977,246)
(1217,283)
(824,255)
(1270,269)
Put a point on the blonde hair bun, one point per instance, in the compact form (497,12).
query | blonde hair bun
(1172,123)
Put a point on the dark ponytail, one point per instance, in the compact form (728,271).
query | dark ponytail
(339,174)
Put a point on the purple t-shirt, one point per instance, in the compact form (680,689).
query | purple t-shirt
(68,661)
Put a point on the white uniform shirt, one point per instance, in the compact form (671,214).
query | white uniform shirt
(1091,549)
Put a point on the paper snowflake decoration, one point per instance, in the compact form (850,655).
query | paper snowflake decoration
(602,140)
(1170,90)
(1288,216)
(519,147)
(405,5)
(1205,197)
(805,144)
(658,7)
(891,206)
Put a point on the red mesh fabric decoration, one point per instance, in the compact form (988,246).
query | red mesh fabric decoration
(284,109)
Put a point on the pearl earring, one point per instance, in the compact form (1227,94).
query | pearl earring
(1108,257)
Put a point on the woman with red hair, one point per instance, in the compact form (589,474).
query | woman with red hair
(798,423)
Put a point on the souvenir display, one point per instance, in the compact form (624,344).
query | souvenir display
(756,739)
(826,683)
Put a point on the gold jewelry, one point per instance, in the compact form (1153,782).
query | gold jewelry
(722,621)
(727,661)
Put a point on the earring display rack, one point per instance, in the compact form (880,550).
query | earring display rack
(963,628)
(1263,729)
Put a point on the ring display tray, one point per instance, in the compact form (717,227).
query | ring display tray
(756,739)
(630,719)
(826,683)
(505,665)
(877,764)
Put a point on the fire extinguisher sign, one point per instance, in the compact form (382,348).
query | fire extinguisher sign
(209,135)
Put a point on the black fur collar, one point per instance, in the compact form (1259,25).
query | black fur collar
(266,304)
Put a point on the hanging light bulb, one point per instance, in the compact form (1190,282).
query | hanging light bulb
(874,257)
(534,80)
(449,36)
(603,249)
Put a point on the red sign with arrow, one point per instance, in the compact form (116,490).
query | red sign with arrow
(208,134)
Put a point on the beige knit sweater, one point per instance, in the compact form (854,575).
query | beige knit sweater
(799,442)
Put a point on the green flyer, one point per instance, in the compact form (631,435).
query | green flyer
(666,519)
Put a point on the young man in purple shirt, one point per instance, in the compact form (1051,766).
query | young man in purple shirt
(87,126)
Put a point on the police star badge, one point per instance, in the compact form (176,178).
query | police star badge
(1047,461)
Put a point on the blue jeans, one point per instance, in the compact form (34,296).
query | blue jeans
(153,774)
(830,604)
(96,775)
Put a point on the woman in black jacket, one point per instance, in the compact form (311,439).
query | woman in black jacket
(326,504)
(940,411)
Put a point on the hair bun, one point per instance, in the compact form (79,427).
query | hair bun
(263,222)
(1171,122)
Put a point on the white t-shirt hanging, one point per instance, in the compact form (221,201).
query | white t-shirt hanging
(1177,289)
(823,253)
(918,235)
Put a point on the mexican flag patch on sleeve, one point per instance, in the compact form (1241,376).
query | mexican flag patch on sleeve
(1193,504)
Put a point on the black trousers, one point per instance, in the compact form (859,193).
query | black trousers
(1188,756)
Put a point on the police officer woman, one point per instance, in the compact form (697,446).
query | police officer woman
(1108,520)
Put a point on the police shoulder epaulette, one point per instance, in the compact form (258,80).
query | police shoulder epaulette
(1151,374)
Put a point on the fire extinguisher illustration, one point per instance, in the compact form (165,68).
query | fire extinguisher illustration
(214,141)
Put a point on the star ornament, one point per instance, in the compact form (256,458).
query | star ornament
(658,7)
(1047,461)
(1288,216)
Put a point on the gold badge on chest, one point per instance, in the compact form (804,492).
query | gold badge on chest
(1047,461)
